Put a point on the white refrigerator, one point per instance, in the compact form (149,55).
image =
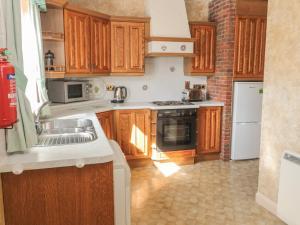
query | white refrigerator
(246,127)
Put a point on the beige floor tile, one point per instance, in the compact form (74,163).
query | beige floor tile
(207,193)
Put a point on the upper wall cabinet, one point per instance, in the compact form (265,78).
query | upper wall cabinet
(127,47)
(77,42)
(204,48)
(100,43)
(87,43)
(250,42)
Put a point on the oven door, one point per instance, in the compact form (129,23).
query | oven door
(76,91)
(176,133)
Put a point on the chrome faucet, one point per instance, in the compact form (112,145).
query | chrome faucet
(38,125)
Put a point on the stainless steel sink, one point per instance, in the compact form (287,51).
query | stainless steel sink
(66,131)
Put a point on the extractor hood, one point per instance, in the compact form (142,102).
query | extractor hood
(169,29)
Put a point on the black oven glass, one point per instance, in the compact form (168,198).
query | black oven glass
(75,91)
(176,132)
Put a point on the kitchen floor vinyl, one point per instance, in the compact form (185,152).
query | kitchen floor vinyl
(207,193)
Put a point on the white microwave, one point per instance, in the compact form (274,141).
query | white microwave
(62,91)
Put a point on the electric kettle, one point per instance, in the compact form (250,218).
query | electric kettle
(120,94)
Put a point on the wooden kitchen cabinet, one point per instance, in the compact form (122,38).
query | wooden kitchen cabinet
(209,130)
(204,48)
(133,132)
(60,196)
(106,120)
(87,43)
(119,39)
(250,43)
(136,47)
(77,42)
(100,45)
(127,47)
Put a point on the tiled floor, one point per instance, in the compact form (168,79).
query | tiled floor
(208,193)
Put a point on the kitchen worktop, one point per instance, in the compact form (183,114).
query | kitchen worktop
(97,106)
(98,151)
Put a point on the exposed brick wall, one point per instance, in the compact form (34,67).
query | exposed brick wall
(220,86)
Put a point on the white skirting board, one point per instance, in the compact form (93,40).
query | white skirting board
(265,202)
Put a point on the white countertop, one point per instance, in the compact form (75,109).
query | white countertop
(98,151)
(96,106)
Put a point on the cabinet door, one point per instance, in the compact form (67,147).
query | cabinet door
(250,41)
(106,120)
(141,132)
(100,45)
(136,47)
(209,130)
(133,132)
(124,120)
(77,42)
(204,48)
(60,196)
(119,47)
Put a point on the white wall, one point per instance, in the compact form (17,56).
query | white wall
(162,83)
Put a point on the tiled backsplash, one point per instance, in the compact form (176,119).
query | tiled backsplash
(158,83)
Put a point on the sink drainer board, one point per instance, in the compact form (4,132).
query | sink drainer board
(65,132)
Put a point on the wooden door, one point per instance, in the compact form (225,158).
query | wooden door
(100,45)
(133,132)
(136,49)
(250,42)
(209,130)
(106,120)
(60,196)
(204,48)
(119,47)
(77,42)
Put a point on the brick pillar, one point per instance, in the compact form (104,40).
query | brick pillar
(220,86)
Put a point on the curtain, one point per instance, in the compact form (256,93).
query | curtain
(20,22)
(33,55)
(23,135)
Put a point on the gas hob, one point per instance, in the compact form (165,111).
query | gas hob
(171,103)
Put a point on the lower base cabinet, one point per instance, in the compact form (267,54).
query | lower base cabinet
(106,120)
(209,130)
(133,132)
(60,196)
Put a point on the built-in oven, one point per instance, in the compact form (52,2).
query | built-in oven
(176,129)
(66,91)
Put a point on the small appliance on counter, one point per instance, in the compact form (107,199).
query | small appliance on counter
(196,94)
(66,91)
(120,94)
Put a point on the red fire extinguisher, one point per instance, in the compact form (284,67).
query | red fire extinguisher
(8,96)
